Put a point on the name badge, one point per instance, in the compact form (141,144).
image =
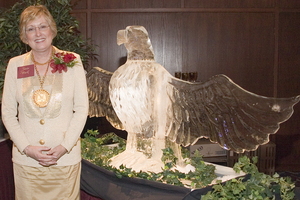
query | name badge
(25,71)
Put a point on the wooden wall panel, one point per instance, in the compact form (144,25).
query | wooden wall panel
(239,45)
(169,51)
(289,4)
(288,137)
(119,4)
(82,19)
(229,3)
(79,4)
(289,57)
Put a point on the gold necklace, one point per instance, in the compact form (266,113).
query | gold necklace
(41,96)
(37,63)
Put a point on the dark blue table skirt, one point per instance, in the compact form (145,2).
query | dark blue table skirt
(104,184)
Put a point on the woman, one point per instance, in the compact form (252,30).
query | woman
(44,109)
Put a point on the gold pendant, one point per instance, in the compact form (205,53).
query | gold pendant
(41,98)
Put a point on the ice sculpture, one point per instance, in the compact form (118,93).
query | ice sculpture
(158,110)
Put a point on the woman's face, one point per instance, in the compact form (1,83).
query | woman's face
(39,34)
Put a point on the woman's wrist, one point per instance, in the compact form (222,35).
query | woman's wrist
(25,150)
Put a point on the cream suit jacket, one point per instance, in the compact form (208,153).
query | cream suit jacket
(64,116)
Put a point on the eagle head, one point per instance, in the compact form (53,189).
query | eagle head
(137,43)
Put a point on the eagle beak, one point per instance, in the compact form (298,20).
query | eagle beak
(121,37)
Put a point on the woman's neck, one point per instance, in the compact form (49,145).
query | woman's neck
(42,57)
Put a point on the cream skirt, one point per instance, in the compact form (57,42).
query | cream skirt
(47,183)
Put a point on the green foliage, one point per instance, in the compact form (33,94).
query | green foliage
(203,175)
(258,186)
(96,151)
(68,37)
(168,158)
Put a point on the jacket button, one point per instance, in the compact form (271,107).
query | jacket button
(42,142)
(42,121)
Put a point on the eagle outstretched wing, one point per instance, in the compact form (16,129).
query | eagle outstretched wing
(99,101)
(225,113)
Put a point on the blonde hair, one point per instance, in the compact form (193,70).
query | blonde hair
(33,12)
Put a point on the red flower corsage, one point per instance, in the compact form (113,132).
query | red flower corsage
(61,62)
